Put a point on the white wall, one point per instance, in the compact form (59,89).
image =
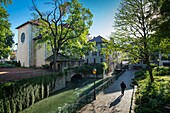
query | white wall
(40,55)
(27,53)
(162,61)
(98,57)
(23,48)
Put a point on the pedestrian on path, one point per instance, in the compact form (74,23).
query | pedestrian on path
(123,86)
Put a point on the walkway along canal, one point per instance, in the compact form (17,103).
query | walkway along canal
(110,100)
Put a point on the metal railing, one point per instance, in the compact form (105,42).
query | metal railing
(82,101)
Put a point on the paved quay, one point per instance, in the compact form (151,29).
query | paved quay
(110,100)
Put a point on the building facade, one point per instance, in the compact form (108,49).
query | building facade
(93,57)
(96,56)
(31,55)
(164,60)
(27,53)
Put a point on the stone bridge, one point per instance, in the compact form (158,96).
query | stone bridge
(71,74)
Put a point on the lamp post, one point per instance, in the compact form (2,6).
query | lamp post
(94,73)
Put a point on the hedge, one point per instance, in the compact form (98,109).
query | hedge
(16,96)
(153,97)
(161,70)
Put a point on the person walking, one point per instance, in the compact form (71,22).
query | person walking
(123,86)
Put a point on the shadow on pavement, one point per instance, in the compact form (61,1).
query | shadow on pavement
(116,101)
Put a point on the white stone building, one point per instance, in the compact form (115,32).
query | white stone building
(26,52)
(157,58)
(96,56)
(93,57)
(30,55)
(164,60)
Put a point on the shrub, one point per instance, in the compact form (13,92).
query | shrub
(46,66)
(135,82)
(7,106)
(8,62)
(1,105)
(105,66)
(13,106)
(21,94)
(139,75)
(32,97)
(152,97)
(19,64)
(16,64)
(161,70)
(153,65)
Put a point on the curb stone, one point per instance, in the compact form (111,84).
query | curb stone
(132,107)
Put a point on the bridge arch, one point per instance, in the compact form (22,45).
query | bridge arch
(71,74)
(76,77)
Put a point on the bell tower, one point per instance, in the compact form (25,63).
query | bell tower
(27,53)
(25,49)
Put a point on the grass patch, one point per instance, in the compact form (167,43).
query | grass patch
(60,99)
(153,97)
(52,103)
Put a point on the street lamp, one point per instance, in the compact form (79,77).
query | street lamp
(94,73)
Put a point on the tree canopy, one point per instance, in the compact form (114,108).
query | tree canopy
(134,30)
(141,29)
(6,35)
(78,47)
(66,22)
(162,18)
(5,2)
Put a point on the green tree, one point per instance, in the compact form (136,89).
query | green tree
(66,21)
(112,48)
(78,47)
(161,23)
(134,30)
(162,18)
(6,36)
(108,50)
(5,2)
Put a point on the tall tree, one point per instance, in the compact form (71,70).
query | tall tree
(6,36)
(162,18)
(5,2)
(134,30)
(161,23)
(78,47)
(113,49)
(66,20)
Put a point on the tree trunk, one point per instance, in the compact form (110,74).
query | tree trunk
(145,35)
(54,60)
(55,55)
(150,74)
(149,69)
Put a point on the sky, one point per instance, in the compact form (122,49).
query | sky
(103,15)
